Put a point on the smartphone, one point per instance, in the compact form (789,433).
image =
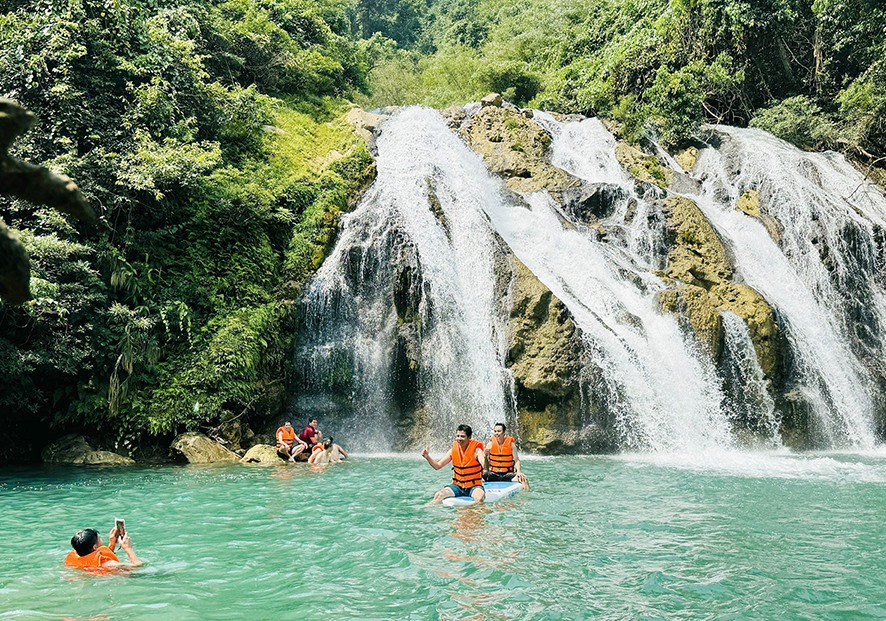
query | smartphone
(121,528)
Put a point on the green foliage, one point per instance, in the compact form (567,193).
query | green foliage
(798,120)
(169,116)
(664,65)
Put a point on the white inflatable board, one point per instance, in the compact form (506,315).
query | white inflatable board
(494,491)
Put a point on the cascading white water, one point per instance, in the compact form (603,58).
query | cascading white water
(458,324)
(748,402)
(806,193)
(663,395)
(405,321)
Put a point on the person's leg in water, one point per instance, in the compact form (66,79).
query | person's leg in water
(446,492)
(478,493)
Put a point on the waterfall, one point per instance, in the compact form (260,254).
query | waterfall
(823,274)
(404,329)
(414,270)
(748,402)
(650,379)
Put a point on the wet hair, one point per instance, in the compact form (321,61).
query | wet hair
(502,425)
(327,443)
(84,541)
(467,429)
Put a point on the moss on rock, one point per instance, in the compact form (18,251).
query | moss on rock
(698,256)
(516,148)
(643,166)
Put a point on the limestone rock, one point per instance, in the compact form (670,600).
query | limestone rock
(516,148)
(698,261)
(199,449)
(74,449)
(687,158)
(492,99)
(365,124)
(700,309)
(545,348)
(756,312)
(262,454)
(591,202)
(642,166)
(698,256)
(230,434)
(749,203)
(454,116)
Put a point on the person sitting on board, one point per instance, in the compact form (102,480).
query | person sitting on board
(309,435)
(91,554)
(468,463)
(502,458)
(288,446)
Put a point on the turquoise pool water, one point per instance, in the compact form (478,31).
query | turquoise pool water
(729,536)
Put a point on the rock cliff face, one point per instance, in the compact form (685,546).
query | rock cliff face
(700,271)
(546,349)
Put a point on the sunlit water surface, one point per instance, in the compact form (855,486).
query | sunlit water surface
(720,536)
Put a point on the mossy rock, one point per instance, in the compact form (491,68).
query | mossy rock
(698,256)
(749,203)
(262,454)
(759,316)
(643,166)
(687,158)
(516,148)
(545,345)
(699,308)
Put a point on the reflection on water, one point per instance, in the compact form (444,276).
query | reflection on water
(610,538)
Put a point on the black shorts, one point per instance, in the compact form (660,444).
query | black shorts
(499,476)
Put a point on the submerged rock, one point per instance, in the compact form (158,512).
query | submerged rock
(199,449)
(74,449)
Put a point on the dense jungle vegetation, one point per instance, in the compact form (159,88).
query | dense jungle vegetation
(202,132)
(209,135)
(811,71)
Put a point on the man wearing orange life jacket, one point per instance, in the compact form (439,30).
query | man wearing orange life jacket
(288,445)
(89,553)
(468,463)
(501,455)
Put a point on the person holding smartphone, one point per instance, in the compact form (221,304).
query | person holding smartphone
(90,553)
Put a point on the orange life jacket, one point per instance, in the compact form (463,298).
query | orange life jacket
(288,435)
(317,447)
(92,560)
(466,470)
(501,458)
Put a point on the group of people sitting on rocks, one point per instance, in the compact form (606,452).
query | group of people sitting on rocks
(309,442)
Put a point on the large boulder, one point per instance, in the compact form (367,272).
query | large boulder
(74,449)
(262,454)
(199,449)
(515,148)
